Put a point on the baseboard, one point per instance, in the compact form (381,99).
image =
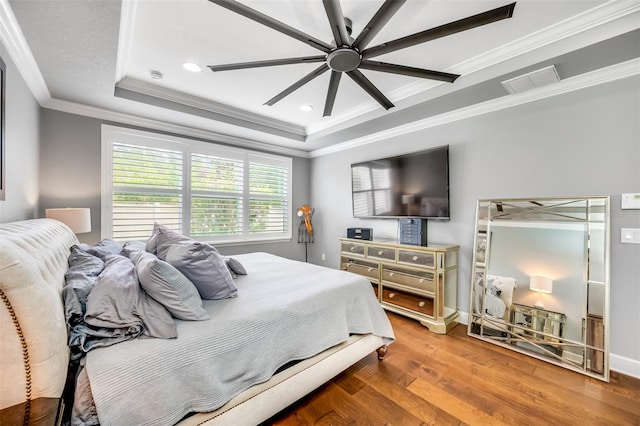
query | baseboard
(624,365)
(617,363)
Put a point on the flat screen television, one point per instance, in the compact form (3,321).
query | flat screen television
(410,185)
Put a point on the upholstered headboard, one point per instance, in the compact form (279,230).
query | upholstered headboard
(33,336)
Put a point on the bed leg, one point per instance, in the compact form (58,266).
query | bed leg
(382,351)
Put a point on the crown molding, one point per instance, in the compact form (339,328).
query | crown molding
(163,126)
(13,39)
(125,36)
(149,89)
(594,78)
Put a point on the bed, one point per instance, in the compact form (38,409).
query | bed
(334,315)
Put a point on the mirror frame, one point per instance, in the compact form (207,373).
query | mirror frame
(520,335)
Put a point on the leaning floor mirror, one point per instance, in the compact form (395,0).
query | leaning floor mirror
(540,281)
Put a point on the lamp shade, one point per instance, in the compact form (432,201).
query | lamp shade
(541,284)
(78,219)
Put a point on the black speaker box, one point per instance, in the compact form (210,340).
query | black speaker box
(360,233)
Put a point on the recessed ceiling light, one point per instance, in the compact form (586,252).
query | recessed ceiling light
(155,74)
(306,107)
(190,66)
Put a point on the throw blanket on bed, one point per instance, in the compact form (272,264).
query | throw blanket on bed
(105,305)
(285,311)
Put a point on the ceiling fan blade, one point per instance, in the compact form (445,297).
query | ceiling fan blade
(267,63)
(304,80)
(263,19)
(336,20)
(410,71)
(368,87)
(464,24)
(331,93)
(379,20)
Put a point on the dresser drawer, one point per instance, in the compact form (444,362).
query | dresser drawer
(417,258)
(383,253)
(362,269)
(352,248)
(420,280)
(412,302)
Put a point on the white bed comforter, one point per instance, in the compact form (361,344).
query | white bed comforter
(285,311)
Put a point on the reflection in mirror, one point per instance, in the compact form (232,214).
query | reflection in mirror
(540,280)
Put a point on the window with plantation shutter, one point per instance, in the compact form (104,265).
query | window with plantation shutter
(217,186)
(268,201)
(207,191)
(147,188)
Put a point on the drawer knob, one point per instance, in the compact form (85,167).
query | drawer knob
(415,258)
(390,274)
(421,280)
(392,295)
(421,304)
(380,253)
(370,269)
(353,249)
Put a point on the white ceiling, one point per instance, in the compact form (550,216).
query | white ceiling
(98,54)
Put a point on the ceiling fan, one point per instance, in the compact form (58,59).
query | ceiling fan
(348,55)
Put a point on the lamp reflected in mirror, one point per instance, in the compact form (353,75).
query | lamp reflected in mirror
(540,285)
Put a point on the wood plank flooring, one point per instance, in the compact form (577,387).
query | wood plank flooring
(431,379)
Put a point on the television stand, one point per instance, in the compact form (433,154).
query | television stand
(417,282)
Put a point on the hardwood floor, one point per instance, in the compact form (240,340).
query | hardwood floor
(430,379)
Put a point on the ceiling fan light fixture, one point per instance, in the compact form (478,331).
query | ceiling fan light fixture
(347,55)
(191,66)
(344,59)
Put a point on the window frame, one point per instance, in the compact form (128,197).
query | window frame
(187,146)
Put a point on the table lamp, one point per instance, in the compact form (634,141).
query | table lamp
(541,285)
(78,219)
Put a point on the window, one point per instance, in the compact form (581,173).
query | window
(210,192)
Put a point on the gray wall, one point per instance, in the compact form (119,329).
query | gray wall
(70,166)
(70,177)
(21,150)
(581,143)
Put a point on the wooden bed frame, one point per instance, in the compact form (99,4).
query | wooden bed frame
(33,339)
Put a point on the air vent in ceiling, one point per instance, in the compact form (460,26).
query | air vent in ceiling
(532,80)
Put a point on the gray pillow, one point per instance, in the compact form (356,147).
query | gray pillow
(161,238)
(235,266)
(168,286)
(205,267)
